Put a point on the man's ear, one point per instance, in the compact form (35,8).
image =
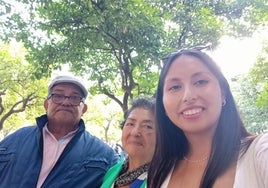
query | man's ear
(84,108)
(46,104)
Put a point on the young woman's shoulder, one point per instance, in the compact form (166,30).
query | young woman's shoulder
(252,167)
(254,144)
(257,150)
(260,145)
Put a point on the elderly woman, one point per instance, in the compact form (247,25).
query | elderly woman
(138,140)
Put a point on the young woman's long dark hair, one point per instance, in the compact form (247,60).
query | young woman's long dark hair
(172,145)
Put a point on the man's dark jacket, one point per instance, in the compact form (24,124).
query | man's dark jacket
(83,163)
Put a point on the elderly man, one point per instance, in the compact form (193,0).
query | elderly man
(58,152)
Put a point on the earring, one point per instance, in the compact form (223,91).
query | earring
(223,102)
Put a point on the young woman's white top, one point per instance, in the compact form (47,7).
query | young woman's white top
(252,167)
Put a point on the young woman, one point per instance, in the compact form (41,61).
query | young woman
(201,140)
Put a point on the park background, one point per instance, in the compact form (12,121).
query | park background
(116,47)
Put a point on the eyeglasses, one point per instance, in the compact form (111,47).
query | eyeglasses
(59,98)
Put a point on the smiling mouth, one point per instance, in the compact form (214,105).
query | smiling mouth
(192,111)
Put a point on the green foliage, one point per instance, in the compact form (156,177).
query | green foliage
(108,41)
(246,95)
(259,71)
(259,74)
(118,45)
(191,23)
(19,92)
(103,118)
(262,100)
(201,22)
(5,8)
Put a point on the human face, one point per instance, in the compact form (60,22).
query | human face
(192,96)
(138,136)
(65,113)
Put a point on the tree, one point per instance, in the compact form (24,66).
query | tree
(18,91)
(246,95)
(103,119)
(202,22)
(5,8)
(118,45)
(259,74)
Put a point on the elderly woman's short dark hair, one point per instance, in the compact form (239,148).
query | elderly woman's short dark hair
(140,102)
